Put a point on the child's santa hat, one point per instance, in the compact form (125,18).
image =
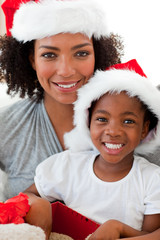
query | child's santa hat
(127,77)
(28,20)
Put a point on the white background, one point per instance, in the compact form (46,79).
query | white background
(138,22)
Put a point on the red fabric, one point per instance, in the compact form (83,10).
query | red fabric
(9,7)
(130,65)
(14,209)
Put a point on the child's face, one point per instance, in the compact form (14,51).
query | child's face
(117,126)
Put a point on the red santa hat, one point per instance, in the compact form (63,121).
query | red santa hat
(28,20)
(127,77)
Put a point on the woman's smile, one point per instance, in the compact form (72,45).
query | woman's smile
(67,86)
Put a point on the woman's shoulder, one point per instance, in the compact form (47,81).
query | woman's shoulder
(18,104)
(20,115)
(154,157)
(17,109)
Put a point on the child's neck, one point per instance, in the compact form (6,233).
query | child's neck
(112,172)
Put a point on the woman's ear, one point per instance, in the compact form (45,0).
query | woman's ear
(145,129)
(32,61)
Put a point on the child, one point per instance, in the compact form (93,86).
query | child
(101,176)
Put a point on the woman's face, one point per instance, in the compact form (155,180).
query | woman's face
(63,63)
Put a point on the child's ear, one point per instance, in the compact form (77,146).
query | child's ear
(145,129)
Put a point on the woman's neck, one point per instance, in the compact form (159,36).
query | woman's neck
(61,117)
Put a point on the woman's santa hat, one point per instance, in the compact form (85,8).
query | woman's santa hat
(28,20)
(127,77)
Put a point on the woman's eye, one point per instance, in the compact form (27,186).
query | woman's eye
(49,55)
(129,121)
(82,54)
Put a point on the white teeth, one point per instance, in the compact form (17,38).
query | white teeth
(67,86)
(113,146)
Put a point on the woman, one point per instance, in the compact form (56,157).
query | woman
(47,59)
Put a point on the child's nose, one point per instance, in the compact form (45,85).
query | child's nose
(113,129)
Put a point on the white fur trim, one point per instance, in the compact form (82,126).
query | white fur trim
(21,231)
(112,81)
(50,17)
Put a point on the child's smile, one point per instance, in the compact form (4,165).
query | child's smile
(113,148)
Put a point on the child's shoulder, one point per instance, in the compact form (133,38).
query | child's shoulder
(65,162)
(70,157)
(75,155)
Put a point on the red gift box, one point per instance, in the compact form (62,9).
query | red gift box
(71,223)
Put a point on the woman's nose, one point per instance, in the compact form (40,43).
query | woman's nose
(65,67)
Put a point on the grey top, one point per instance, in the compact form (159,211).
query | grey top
(27,137)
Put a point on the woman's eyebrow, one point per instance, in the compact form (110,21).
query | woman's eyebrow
(49,47)
(81,45)
(73,48)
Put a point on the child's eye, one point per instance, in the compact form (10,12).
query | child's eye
(101,119)
(49,55)
(129,121)
(82,54)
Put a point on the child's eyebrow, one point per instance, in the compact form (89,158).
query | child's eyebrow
(130,113)
(122,114)
(102,111)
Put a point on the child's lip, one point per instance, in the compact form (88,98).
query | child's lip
(113,148)
(112,145)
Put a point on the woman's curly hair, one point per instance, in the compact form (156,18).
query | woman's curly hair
(17,72)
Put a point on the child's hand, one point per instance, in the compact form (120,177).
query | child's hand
(115,230)
(110,230)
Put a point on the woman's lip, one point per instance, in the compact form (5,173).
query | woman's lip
(67,86)
(66,83)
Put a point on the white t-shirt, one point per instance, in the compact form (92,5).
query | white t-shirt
(70,177)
